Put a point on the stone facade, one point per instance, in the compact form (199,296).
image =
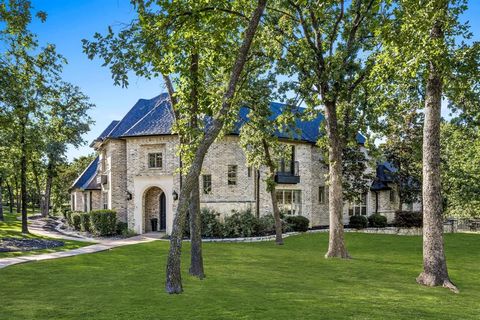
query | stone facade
(87,200)
(130,179)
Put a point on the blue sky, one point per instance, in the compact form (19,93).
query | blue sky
(70,21)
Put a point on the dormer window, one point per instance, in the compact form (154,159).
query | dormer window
(155,160)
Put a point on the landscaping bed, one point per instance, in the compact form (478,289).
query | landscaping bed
(16,244)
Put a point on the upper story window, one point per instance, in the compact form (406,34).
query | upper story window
(392,196)
(207,183)
(321,194)
(232,175)
(359,207)
(155,160)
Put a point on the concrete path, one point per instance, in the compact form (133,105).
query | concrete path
(38,227)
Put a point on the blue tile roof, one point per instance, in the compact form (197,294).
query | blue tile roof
(87,180)
(155,117)
(383,177)
(108,130)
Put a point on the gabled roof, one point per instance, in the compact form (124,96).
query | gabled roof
(384,176)
(88,179)
(155,117)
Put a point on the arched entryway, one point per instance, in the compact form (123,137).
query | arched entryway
(155,210)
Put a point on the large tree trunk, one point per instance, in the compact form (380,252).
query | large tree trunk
(434,262)
(1,199)
(11,198)
(336,242)
(173,275)
(48,190)
(38,192)
(23,175)
(271,189)
(196,257)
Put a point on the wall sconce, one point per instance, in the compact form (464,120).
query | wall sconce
(129,195)
(175,195)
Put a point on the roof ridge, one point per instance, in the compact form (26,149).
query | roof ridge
(157,104)
(83,172)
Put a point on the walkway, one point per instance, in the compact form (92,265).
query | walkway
(41,228)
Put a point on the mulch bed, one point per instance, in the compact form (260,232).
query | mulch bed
(17,244)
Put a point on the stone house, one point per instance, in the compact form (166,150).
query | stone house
(135,173)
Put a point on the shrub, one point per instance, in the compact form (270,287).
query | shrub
(121,228)
(67,216)
(298,223)
(84,221)
(358,222)
(377,221)
(76,220)
(240,224)
(266,225)
(211,226)
(103,222)
(408,219)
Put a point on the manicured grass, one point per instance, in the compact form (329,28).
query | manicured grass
(12,228)
(249,281)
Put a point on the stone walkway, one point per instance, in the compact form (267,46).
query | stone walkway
(39,227)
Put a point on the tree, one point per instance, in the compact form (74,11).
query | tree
(327,51)
(260,144)
(402,148)
(460,145)
(171,37)
(64,124)
(433,27)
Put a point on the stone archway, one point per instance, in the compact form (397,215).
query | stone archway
(154,208)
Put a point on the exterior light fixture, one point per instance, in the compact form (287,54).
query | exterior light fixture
(129,195)
(175,195)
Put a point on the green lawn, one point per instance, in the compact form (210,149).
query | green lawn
(12,228)
(249,281)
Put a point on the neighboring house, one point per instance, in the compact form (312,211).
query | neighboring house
(136,173)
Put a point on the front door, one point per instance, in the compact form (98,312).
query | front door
(163,212)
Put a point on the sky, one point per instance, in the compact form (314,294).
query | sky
(70,21)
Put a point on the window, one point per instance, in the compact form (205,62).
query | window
(232,175)
(105,200)
(249,171)
(290,201)
(207,183)
(155,160)
(392,195)
(321,194)
(73,202)
(358,208)
(91,201)
(85,209)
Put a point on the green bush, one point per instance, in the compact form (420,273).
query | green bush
(377,221)
(211,226)
(85,222)
(408,219)
(266,225)
(103,222)
(358,222)
(240,224)
(298,223)
(122,229)
(76,220)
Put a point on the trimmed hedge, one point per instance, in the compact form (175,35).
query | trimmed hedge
(358,222)
(103,222)
(76,220)
(408,219)
(376,220)
(298,223)
(85,222)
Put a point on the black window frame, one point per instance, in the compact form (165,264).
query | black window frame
(207,183)
(232,174)
(155,160)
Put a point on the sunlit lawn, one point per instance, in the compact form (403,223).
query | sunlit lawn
(249,281)
(12,228)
